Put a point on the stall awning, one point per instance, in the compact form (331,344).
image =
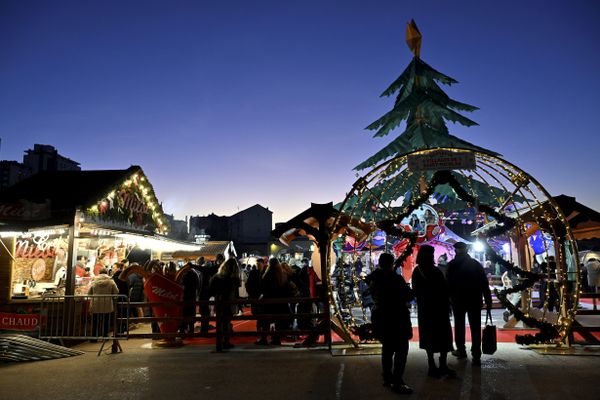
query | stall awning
(157,243)
(208,250)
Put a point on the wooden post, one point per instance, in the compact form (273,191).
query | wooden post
(72,253)
(68,306)
(322,213)
(70,278)
(7,251)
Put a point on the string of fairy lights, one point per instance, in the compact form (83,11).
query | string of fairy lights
(139,184)
(511,220)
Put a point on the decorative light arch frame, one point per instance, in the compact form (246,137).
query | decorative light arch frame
(520,203)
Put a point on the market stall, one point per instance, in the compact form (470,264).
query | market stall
(58,228)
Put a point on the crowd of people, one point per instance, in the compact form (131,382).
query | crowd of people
(278,280)
(236,288)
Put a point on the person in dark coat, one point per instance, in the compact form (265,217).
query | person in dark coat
(303,283)
(254,292)
(390,317)
(121,303)
(136,292)
(123,286)
(433,303)
(192,282)
(276,284)
(468,284)
(207,271)
(224,286)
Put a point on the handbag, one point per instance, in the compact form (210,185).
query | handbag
(488,336)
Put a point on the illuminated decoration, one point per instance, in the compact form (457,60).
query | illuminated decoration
(132,204)
(462,177)
(507,218)
(34,246)
(425,223)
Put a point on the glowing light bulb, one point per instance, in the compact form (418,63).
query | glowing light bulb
(478,246)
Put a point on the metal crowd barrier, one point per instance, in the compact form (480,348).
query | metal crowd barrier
(15,347)
(70,317)
(320,319)
(215,316)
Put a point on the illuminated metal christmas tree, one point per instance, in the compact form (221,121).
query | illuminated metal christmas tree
(424,106)
(412,174)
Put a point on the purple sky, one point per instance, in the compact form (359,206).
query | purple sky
(226,104)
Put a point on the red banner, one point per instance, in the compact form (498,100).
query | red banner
(159,288)
(19,322)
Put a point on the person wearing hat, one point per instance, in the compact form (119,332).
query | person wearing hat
(391,321)
(468,284)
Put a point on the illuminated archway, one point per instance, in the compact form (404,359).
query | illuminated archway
(518,225)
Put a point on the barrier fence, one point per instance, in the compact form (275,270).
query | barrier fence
(75,317)
(71,317)
(590,333)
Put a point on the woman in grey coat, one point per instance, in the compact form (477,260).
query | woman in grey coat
(102,306)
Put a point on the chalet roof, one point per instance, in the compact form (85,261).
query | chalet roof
(584,221)
(65,191)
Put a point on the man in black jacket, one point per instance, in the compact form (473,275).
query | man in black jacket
(391,321)
(468,283)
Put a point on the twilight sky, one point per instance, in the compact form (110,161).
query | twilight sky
(229,103)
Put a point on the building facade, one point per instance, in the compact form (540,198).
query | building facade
(179,228)
(249,229)
(12,172)
(44,157)
(41,158)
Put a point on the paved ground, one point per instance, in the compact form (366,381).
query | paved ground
(197,372)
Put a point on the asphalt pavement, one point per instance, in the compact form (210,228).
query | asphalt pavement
(143,371)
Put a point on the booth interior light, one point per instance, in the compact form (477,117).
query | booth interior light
(10,234)
(36,232)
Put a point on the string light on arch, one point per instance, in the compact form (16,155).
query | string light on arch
(510,200)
